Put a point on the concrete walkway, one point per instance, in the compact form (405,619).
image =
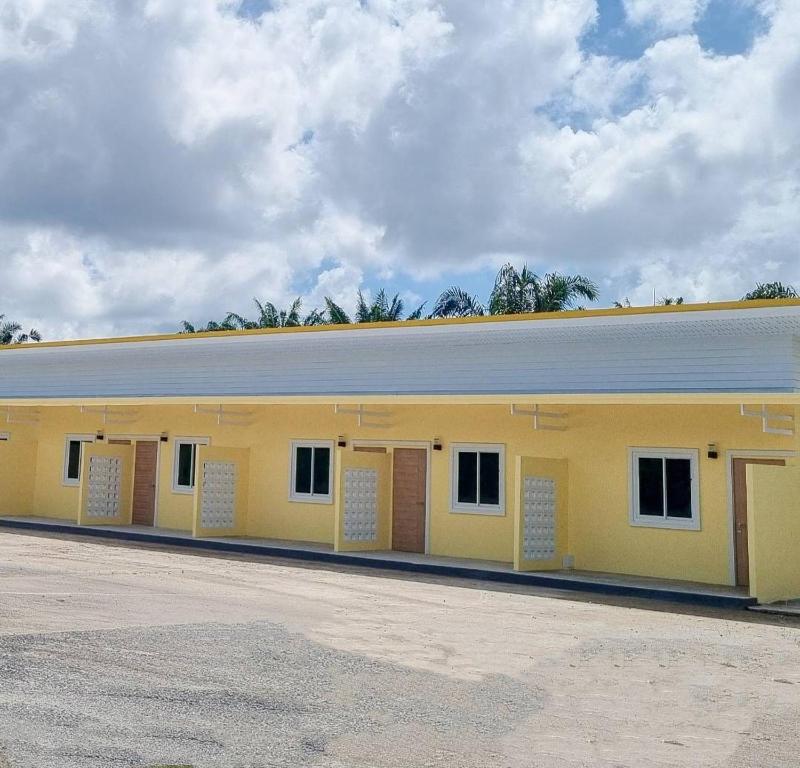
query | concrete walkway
(619,585)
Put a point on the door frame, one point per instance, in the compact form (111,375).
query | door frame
(730,455)
(135,438)
(421,445)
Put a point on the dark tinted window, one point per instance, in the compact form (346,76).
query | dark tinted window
(679,488)
(302,469)
(74,460)
(467,477)
(186,453)
(651,487)
(322,465)
(489,489)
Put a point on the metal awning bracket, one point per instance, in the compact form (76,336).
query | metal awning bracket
(363,416)
(230,418)
(768,419)
(21,416)
(540,417)
(110,416)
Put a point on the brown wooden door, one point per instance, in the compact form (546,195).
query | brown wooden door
(740,515)
(144,483)
(408,499)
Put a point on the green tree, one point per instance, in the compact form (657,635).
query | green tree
(771,291)
(269,316)
(380,310)
(11,333)
(518,291)
(335,314)
(456,302)
(212,326)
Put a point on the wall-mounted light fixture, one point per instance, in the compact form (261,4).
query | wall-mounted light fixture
(100,436)
(164,437)
(341,441)
(437,443)
(713,453)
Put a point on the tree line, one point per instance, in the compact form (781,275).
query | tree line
(515,291)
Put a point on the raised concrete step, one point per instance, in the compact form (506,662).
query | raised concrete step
(576,581)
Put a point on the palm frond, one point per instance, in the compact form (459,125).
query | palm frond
(336,315)
(417,313)
(456,302)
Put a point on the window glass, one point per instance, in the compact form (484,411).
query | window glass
(651,487)
(467,477)
(322,464)
(186,454)
(489,491)
(679,488)
(302,469)
(74,460)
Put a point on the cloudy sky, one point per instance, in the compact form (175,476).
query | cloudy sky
(163,160)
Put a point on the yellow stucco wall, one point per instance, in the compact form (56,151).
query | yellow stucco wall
(102,450)
(595,444)
(773,531)
(558,471)
(240,458)
(17,473)
(346,459)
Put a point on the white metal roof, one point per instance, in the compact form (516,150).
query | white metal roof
(726,350)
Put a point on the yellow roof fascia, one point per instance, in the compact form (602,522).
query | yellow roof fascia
(538,316)
(642,398)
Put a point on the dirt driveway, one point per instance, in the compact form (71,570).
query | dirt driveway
(119,656)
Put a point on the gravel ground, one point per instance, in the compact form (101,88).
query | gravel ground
(119,656)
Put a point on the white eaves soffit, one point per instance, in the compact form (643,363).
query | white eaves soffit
(714,351)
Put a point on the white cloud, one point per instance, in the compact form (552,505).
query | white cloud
(171,160)
(666,15)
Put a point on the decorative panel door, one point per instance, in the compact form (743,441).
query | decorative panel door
(541,511)
(361,505)
(104,487)
(539,518)
(218,505)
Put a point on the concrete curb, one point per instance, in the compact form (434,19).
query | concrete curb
(437,569)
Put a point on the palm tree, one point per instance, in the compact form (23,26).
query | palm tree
(771,291)
(11,333)
(269,316)
(517,291)
(456,302)
(381,310)
(212,326)
(336,315)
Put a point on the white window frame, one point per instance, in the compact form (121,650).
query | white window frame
(498,509)
(85,438)
(650,521)
(187,490)
(310,498)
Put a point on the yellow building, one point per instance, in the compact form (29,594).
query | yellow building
(653,442)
